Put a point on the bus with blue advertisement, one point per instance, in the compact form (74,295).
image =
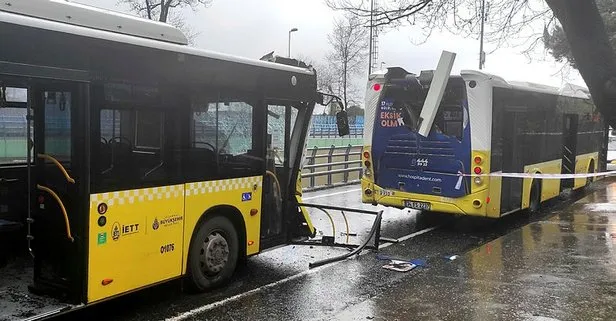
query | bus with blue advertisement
(489,148)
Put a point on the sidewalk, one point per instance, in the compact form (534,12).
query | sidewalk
(562,268)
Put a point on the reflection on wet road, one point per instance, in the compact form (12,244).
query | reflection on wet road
(559,264)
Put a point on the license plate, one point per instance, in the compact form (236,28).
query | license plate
(424,206)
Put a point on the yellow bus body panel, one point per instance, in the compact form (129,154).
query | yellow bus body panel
(130,251)
(550,188)
(582,165)
(147,233)
(202,196)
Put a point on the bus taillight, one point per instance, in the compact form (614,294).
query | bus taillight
(376,87)
(478,160)
(477,170)
(367,163)
(366,154)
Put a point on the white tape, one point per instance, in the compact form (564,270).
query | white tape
(538,175)
(459,183)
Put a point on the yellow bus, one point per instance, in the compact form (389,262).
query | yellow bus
(128,158)
(494,147)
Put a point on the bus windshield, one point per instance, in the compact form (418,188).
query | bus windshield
(405,101)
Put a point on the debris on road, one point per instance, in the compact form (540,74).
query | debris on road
(399,266)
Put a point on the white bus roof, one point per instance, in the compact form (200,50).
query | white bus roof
(82,20)
(569,90)
(91,17)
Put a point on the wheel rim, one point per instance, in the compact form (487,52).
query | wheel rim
(214,253)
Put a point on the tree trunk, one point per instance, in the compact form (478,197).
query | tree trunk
(148,7)
(164,10)
(590,47)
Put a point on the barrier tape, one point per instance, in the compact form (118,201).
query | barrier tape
(534,175)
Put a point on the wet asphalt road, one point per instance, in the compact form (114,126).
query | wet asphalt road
(277,285)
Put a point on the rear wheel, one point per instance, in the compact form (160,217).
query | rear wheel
(535,197)
(213,254)
(591,169)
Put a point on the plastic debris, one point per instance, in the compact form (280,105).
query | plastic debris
(451,257)
(399,266)
(416,262)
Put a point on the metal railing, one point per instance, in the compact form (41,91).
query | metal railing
(323,131)
(341,163)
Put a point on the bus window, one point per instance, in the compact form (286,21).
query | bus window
(200,161)
(234,127)
(278,132)
(408,100)
(227,137)
(13,135)
(148,134)
(131,153)
(58,124)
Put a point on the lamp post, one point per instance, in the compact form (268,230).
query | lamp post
(290,31)
(382,63)
(482,55)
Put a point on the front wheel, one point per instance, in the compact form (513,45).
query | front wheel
(213,254)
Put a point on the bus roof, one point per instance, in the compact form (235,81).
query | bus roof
(78,19)
(568,90)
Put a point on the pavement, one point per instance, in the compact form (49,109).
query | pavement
(556,265)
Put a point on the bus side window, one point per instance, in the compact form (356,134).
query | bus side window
(200,160)
(240,137)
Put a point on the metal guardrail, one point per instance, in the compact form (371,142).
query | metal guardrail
(334,156)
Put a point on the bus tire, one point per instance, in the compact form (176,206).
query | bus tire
(213,254)
(591,169)
(535,197)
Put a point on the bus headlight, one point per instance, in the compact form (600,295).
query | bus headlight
(478,180)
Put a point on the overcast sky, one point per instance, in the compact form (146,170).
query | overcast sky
(254,28)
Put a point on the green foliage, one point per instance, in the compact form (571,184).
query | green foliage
(556,42)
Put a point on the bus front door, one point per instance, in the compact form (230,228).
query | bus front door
(57,213)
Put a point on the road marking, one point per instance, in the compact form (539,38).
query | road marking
(331,194)
(204,308)
(410,236)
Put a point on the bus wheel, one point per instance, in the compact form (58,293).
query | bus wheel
(535,197)
(213,254)
(591,169)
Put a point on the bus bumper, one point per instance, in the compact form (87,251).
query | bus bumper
(474,204)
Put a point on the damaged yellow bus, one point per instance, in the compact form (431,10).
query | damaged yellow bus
(486,144)
(128,158)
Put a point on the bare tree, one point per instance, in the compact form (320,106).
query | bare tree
(349,49)
(511,23)
(163,11)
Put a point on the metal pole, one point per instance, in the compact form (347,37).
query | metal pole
(370,42)
(481,55)
(289,50)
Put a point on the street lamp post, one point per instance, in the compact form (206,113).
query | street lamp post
(482,55)
(382,63)
(290,31)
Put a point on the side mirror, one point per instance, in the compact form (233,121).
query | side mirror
(342,122)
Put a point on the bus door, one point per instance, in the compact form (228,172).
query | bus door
(13,169)
(280,119)
(570,131)
(57,186)
(513,161)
